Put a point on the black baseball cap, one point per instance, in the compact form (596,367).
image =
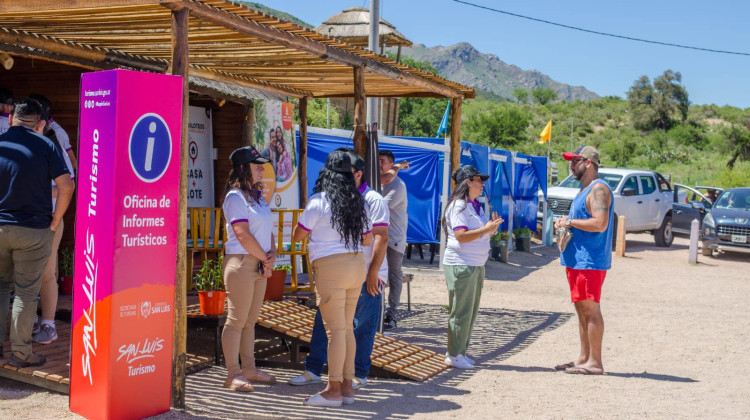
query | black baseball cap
(339,161)
(246,154)
(357,162)
(467,172)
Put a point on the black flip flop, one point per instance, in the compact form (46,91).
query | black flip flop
(565,366)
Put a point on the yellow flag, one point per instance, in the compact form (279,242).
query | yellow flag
(546,134)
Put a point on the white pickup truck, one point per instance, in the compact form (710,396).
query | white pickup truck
(643,197)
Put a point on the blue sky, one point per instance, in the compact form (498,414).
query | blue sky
(604,65)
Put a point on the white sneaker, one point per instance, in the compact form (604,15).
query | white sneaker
(304,379)
(358,383)
(467,358)
(458,362)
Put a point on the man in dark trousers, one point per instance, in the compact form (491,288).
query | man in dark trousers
(588,256)
(28,164)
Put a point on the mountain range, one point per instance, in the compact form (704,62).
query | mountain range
(464,64)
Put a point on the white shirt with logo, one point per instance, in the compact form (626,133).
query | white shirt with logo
(461,215)
(379,216)
(324,240)
(237,208)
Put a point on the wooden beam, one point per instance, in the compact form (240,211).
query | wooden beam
(248,124)
(46,5)
(180,67)
(302,159)
(455,135)
(233,79)
(360,112)
(337,55)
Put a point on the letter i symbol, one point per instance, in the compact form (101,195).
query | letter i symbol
(150,146)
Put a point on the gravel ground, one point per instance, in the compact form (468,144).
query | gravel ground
(675,346)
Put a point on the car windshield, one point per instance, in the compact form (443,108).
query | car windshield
(572,182)
(734,199)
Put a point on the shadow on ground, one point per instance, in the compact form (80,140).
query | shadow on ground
(519,265)
(498,334)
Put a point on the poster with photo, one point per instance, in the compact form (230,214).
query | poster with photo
(275,140)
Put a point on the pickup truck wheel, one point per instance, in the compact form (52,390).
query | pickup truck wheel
(706,251)
(664,236)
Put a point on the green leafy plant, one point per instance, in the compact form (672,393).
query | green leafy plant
(285,267)
(65,262)
(521,232)
(210,276)
(498,236)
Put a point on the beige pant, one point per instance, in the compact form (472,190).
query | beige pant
(245,289)
(48,292)
(338,283)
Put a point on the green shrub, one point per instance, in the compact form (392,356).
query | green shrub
(210,276)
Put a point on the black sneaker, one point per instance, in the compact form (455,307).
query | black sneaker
(389,323)
(33,359)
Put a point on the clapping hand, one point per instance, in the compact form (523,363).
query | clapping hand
(403,165)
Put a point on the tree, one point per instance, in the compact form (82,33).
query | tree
(655,106)
(543,95)
(503,125)
(739,141)
(521,95)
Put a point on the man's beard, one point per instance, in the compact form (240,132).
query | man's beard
(578,174)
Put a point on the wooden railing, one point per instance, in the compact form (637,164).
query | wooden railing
(294,249)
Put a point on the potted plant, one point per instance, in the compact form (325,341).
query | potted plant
(523,239)
(65,270)
(209,281)
(275,284)
(499,246)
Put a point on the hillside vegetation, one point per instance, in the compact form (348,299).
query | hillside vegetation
(654,128)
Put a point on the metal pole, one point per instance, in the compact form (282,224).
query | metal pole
(571,133)
(372,103)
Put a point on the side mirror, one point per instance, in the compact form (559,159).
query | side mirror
(698,206)
(628,192)
(555,183)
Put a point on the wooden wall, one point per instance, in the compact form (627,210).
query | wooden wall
(61,83)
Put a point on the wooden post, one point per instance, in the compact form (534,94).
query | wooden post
(248,124)
(360,114)
(455,135)
(302,158)
(620,242)
(180,67)
(693,248)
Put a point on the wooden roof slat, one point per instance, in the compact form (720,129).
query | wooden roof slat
(224,36)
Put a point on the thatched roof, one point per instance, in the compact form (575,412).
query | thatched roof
(228,43)
(353,26)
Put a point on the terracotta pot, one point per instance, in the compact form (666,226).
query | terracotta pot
(212,302)
(275,285)
(66,285)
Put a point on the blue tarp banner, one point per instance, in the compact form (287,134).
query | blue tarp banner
(500,186)
(423,180)
(527,184)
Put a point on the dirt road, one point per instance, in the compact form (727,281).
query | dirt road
(675,346)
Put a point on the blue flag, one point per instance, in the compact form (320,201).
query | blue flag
(444,121)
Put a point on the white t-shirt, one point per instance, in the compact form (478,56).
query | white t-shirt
(65,156)
(461,215)
(257,215)
(62,136)
(4,124)
(324,240)
(379,216)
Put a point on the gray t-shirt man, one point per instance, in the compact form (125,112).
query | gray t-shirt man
(394,194)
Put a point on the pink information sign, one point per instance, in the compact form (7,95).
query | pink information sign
(126,244)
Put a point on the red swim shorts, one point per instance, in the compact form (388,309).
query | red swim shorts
(585,284)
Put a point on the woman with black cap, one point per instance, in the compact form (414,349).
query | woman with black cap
(248,261)
(468,232)
(337,223)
